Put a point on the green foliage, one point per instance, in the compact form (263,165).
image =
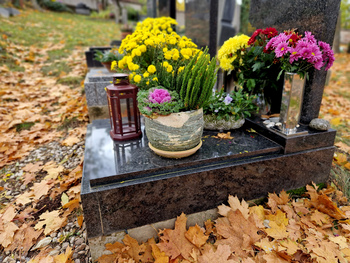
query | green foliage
(345,14)
(237,103)
(107,55)
(149,108)
(258,70)
(55,6)
(133,14)
(24,126)
(196,81)
(245,17)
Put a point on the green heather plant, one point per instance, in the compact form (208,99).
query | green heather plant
(195,83)
(107,55)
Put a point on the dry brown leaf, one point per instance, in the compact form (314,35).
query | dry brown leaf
(174,243)
(64,258)
(51,220)
(237,232)
(41,189)
(343,146)
(6,237)
(221,255)
(196,236)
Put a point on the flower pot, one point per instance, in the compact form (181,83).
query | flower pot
(176,132)
(107,65)
(292,99)
(212,123)
(125,33)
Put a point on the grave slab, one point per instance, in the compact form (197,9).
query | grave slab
(95,82)
(126,185)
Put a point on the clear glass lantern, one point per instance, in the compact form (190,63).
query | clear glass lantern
(123,112)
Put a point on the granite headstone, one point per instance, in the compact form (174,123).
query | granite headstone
(317,16)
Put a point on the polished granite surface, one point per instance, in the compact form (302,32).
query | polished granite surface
(107,161)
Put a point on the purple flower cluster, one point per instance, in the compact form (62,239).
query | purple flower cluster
(159,96)
(302,49)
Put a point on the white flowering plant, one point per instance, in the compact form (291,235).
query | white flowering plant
(237,103)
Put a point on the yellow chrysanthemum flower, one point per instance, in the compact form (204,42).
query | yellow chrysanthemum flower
(137,78)
(151,69)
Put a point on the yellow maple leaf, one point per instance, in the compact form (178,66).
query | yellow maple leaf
(267,245)
(159,256)
(196,236)
(51,220)
(53,170)
(279,218)
(277,231)
(336,121)
(64,258)
(70,141)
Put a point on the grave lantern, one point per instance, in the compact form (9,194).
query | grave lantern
(123,112)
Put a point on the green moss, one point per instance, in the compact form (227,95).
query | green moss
(73,81)
(24,126)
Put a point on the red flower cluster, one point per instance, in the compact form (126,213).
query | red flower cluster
(263,34)
(294,38)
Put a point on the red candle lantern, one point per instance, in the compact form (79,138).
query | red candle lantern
(123,112)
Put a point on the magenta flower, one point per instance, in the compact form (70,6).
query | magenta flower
(281,49)
(309,37)
(316,54)
(327,54)
(159,96)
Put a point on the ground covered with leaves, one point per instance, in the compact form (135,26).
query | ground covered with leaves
(306,229)
(43,118)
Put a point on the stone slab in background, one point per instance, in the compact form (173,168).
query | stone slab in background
(95,82)
(4,12)
(13,11)
(319,17)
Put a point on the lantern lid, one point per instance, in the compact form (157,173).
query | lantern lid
(120,75)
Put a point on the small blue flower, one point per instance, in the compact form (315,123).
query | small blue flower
(216,110)
(227,99)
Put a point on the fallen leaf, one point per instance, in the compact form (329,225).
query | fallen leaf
(221,255)
(173,242)
(196,236)
(6,237)
(51,220)
(64,199)
(64,258)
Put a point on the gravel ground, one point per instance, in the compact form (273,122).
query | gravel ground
(71,235)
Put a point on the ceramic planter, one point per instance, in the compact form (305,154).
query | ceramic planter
(176,132)
(212,123)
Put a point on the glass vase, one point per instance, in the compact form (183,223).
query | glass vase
(262,103)
(292,99)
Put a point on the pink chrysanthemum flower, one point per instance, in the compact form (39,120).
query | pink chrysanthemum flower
(281,49)
(159,96)
(309,37)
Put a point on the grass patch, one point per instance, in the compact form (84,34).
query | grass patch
(69,124)
(40,28)
(24,126)
(57,54)
(70,81)
(56,69)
